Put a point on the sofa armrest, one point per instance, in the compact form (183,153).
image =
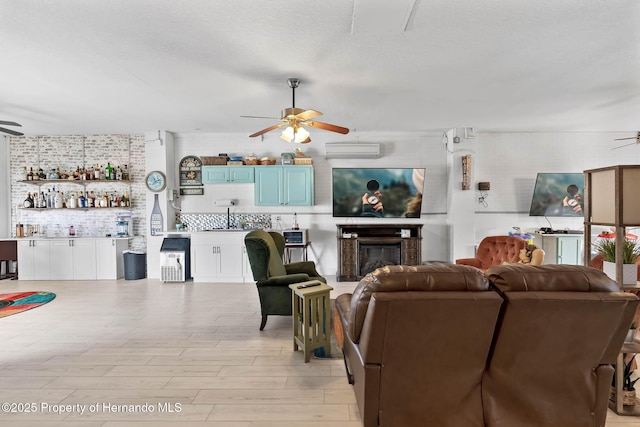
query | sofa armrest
(473,262)
(286,280)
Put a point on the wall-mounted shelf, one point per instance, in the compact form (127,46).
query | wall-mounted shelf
(73,209)
(73,181)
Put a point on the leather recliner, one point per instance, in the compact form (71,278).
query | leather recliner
(560,330)
(416,340)
(495,250)
(445,345)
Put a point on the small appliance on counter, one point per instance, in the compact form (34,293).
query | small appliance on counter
(124,224)
(296,237)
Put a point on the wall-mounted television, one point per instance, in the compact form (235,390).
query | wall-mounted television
(558,194)
(377,192)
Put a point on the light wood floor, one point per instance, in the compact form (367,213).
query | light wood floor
(192,348)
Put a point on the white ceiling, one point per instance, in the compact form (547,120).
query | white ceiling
(129,66)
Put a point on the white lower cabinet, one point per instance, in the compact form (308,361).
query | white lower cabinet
(110,258)
(71,259)
(33,259)
(218,256)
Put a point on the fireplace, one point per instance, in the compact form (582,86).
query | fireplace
(363,248)
(376,255)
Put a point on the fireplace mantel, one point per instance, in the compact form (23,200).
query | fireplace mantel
(387,244)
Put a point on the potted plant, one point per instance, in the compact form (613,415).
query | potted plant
(606,248)
(628,384)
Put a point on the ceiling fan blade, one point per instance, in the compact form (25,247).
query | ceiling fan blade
(269,129)
(3,122)
(308,114)
(11,132)
(328,126)
(625,145)
(632,137)
(261,117)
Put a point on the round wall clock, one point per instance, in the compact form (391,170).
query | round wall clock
(156,181)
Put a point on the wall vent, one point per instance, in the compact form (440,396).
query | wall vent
(350,150)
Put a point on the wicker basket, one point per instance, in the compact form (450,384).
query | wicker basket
(235,163)
(250,161)
(303,161)
(269,161)
(214,160)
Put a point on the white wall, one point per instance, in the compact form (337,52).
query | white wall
(408,150)
(510,161)
(454,221)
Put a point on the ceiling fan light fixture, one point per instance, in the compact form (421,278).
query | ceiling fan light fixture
(296,134)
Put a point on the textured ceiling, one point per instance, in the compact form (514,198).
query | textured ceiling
(128,66)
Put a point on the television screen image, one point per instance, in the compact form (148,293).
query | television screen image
(558,194)
(377,192)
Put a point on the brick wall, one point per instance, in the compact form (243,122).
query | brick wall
(68,152)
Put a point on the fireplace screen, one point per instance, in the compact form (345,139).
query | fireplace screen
(373,256)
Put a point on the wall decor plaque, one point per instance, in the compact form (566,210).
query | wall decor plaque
(190,171)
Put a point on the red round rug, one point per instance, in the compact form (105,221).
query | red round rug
(22,301)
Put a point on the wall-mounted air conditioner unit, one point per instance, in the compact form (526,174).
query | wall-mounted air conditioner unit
(351,150)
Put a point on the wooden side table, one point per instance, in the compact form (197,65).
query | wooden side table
(289,247)
(311,317)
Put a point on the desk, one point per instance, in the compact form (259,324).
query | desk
(311,317)
(302,247)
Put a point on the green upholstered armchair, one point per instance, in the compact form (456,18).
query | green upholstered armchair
(272,276)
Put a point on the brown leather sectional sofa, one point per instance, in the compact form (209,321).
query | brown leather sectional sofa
(446,345)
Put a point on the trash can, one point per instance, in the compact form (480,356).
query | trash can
(135,265)
(175,259)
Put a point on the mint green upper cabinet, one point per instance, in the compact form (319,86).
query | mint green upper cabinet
(241,174)
(284,186)
(227,174)
(268,186)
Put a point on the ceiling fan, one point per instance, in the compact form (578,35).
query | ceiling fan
(637,138)
(296,119)
(10,131)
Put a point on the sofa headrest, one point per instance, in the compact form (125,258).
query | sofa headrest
(429,277)
(561,277)
(404,278)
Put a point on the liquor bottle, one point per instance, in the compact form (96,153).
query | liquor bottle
(108,171)
(96,172)
(125,173)
(118,173)
(127,201)
(295,222)
(57,200)
(72,203)
(156,217)
(28,202)
(30,175)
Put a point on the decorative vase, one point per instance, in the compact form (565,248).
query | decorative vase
(628,397)
(629,272)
